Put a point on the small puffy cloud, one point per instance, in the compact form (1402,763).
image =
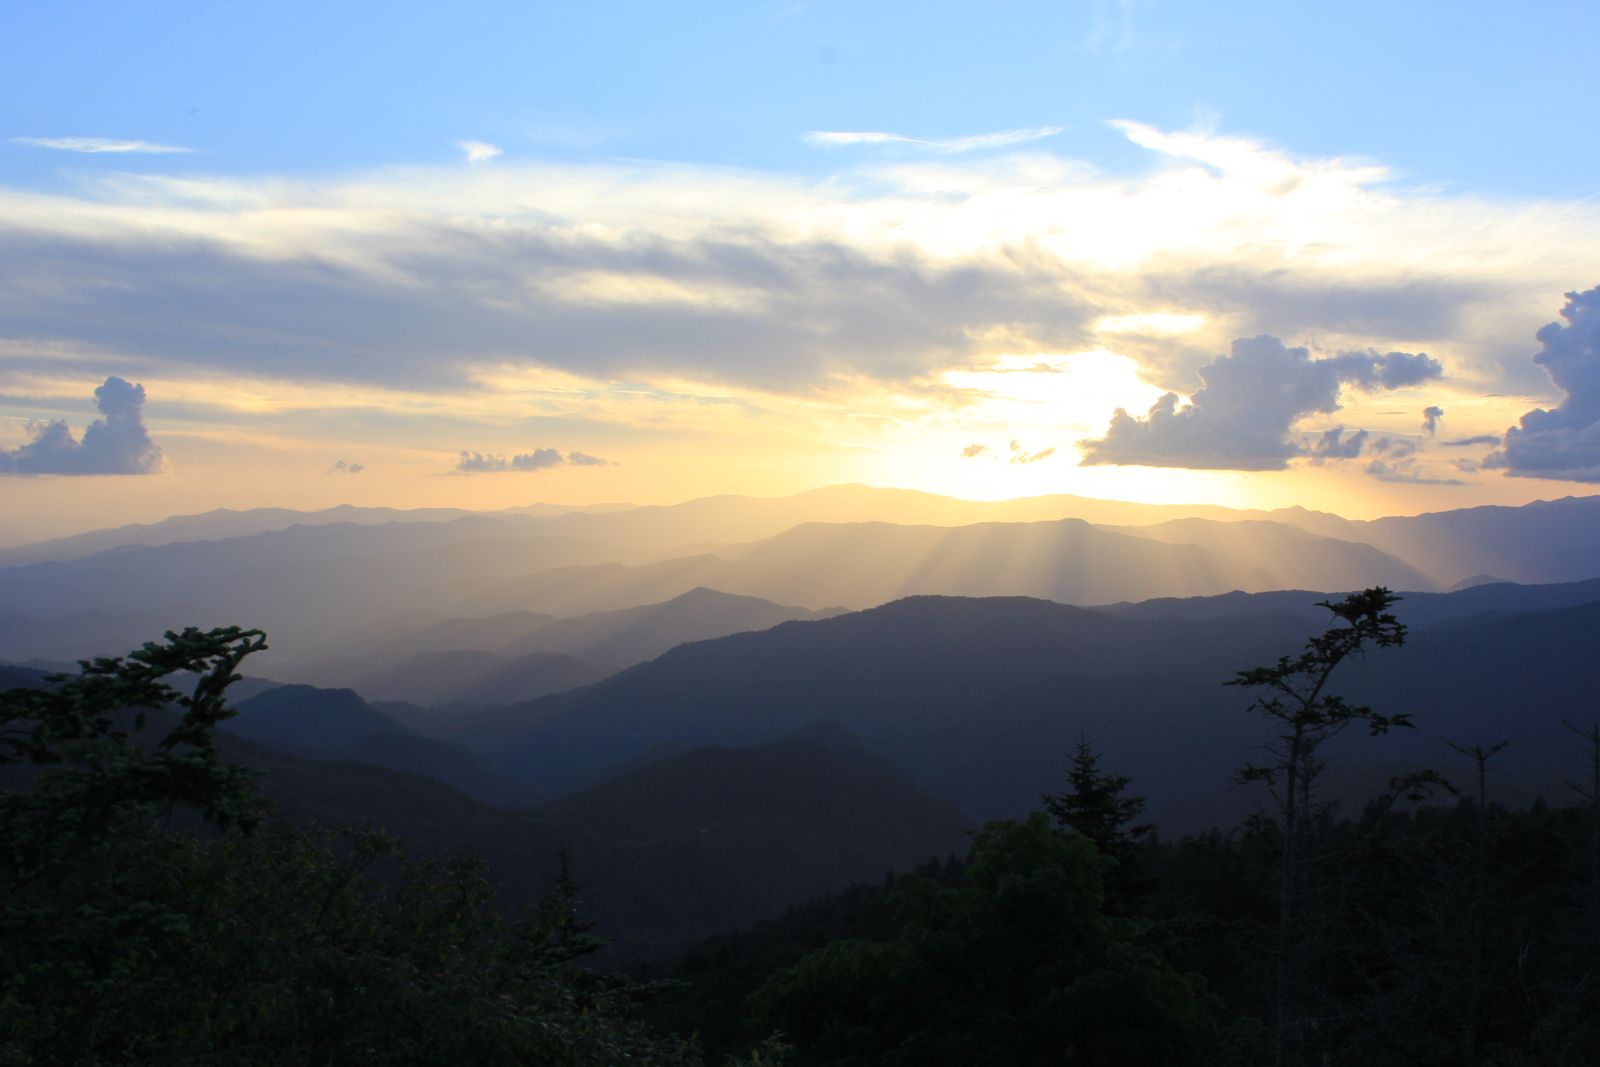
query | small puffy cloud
(479,151)
(1564,441)
(1241,416)
(98,145)
(1333,444)
(974,450)
(480,463)
(115,443)
(537,460)
(1022,455)
(998,139)
(1430,418)
(342,467)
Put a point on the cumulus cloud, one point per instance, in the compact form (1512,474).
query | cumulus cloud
(974,450)
(478,151)
(1430,418)
(115,443)
(998,139)
(537,460)
(1241,416)
(342,467)
(1564,441)
(100,144)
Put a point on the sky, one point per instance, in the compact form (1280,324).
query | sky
(1336,256)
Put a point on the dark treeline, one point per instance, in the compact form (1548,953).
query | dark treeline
(1438,935)
(1432,927)
(153,913)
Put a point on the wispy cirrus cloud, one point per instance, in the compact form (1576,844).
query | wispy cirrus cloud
(999,139)
(96,145)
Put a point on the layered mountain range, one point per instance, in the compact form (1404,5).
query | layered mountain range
(752,701)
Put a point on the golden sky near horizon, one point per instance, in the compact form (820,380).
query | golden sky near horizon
(649,332)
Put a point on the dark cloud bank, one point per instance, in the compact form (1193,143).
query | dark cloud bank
(115,443)
(1240,418)
(1564,441)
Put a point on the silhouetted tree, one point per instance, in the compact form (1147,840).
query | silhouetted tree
(1296,700)
(1098,806)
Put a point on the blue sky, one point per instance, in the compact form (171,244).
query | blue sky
(1487,96)
(1226,253)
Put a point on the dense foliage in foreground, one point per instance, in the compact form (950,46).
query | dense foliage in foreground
(1457,934)
(152,916)
(1414,934)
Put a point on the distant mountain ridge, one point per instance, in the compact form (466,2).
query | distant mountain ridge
(981,699)
(333,588)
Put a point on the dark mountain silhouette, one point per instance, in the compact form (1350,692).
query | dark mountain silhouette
(1417,609)
(439,761)
(336,724)
(890,675)
(981,699)
(307,719)
(13,676)
(660,861)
